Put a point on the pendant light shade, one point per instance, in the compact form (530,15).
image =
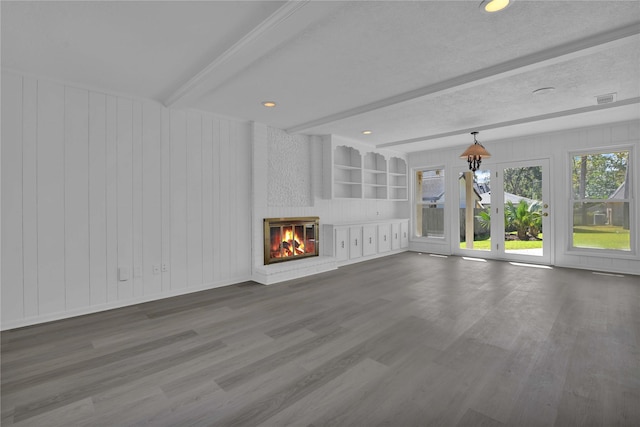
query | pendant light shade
(475,153)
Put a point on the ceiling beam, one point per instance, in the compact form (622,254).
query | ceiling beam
(210,76)
(523,120)
(557,54)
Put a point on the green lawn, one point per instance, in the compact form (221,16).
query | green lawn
(601,236)
(508,245)
(589,236)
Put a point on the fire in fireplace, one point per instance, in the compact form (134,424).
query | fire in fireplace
(286,239)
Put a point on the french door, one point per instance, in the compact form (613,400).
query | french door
(504,212)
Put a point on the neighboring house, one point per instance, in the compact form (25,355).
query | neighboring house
(616,214)
(478,191)
(433,190)
(508,197)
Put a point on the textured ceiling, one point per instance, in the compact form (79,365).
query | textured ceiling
(420,74)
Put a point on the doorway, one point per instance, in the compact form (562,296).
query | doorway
(504,212)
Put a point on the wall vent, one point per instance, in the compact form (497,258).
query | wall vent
(607,98)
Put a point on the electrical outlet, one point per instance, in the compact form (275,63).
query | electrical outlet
(156,269)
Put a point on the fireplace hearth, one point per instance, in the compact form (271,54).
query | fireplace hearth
(288,239)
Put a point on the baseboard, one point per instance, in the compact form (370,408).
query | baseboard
(34,320)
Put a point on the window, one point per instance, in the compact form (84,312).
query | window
(430,189)
(601,200)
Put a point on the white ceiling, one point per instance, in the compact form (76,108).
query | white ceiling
(420,74)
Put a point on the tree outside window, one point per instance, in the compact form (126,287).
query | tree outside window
(601,196)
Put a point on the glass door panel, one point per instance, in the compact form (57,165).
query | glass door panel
(525,220)
(504,212)
(475,220)
(522,196)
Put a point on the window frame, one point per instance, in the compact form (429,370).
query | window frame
(602,252)
(418,201)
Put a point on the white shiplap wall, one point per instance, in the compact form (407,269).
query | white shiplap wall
(556,147)
(93,182)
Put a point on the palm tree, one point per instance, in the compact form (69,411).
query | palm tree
(484,219)
(524,218)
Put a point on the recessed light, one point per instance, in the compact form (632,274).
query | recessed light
(494,5)
(269,104)
(543,90)
(367,132)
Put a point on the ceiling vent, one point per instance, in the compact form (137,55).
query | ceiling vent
(606,98)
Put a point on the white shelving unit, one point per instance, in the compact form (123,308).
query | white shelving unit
(353,171)
(347,173)
(375,176)
(397,179)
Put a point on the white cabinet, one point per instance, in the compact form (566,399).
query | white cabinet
(355,245)
(384,238)
(404,234)
(369,233)
(354,242)
(342,244)
(395,236)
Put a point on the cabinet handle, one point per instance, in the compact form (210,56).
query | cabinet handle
(356,242)
(396,236)
(385,237)
(369,240)
(342,244)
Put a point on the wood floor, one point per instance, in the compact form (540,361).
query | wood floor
(406,340)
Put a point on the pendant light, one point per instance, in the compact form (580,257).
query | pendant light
(475,153)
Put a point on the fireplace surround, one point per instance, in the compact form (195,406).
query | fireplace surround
(288,239)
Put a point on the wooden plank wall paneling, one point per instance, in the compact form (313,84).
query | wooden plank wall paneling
(51,198)
(98,198)
(194,199)
(93,182)
(76,198)
(12,208)
(29,194)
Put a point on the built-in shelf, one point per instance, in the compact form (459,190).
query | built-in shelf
(347,173)
(397,179)
(352,175)
(375,176)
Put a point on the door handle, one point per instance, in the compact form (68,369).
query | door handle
(545,214)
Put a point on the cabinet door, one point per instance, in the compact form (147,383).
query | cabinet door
(404,234)
(355,245)
(341,249)
(384,237)
(395,236)
(369,240)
